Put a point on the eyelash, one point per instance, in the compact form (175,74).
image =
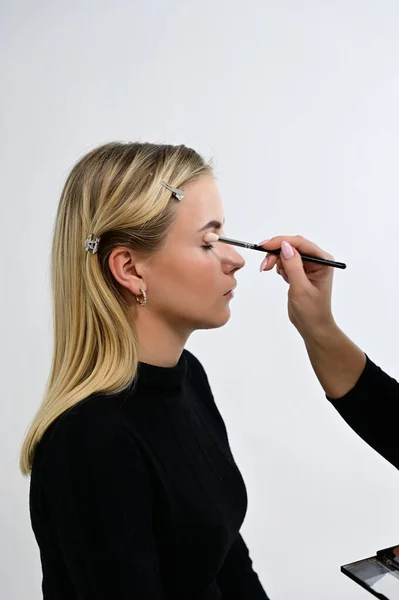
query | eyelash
(208,247)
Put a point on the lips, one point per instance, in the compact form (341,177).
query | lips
(230,290)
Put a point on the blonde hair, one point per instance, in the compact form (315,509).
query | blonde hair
(113,192)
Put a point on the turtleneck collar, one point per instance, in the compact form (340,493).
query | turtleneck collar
(166,379)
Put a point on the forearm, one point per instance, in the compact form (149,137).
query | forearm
(336,360)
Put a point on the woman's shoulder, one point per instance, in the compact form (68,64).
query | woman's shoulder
(93,425)
(87,445)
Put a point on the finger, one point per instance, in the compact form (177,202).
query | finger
(280,271)
(284,275)
(294,270)
(268,262)
(301,244)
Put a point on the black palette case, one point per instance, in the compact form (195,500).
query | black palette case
(378,574)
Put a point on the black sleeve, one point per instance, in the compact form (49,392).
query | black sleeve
(101,506)
(371,409)
(237,580)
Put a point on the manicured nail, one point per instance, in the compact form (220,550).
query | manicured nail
(287,250)
(264,242)
(263,263)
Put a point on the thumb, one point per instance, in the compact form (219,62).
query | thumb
(292,264)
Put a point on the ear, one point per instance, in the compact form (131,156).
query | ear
(128,269)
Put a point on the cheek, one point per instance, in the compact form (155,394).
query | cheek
(186,274)
(199,275)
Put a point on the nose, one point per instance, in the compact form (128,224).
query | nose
(232,260)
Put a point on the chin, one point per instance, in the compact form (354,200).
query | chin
(217,321)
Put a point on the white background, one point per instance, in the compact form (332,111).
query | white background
(298,102)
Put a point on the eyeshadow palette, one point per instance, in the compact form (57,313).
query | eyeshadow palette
(378,574)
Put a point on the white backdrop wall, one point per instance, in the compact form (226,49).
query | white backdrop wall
(298,104)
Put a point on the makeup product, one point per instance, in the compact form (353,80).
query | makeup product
(377,574)
(210,237)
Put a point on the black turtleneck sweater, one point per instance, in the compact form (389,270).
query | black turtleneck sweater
(137,496)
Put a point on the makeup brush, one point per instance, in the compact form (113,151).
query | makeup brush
(210,237)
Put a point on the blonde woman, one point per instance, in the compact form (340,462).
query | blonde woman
(134,490)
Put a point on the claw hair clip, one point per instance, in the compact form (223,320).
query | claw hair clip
(176,193)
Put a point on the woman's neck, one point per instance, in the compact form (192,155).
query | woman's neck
(161,344)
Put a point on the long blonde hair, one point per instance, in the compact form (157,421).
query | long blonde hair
(113,192)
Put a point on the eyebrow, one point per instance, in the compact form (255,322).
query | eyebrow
(213,225)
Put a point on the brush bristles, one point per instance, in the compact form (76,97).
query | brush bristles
(210,237)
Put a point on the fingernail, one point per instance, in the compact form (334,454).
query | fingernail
(287,250)
(264,242)
(263,263)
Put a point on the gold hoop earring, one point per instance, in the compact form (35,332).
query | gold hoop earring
(144,301)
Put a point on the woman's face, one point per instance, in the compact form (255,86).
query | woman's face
(186,280)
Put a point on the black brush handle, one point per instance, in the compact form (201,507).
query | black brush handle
(315,259)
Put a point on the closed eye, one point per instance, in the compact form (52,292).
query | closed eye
(208,247)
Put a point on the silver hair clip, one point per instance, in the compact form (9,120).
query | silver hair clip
(178,194)
(91,244)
